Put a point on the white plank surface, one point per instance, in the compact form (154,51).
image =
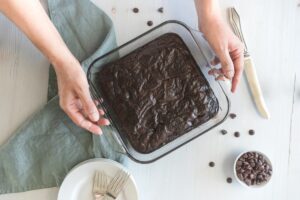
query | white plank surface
(270,27)
(294,157)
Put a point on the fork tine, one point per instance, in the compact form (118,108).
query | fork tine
(100,179)
(119,181)
(118,186)
(122,182)
(94,181)
(103,180)
(115,180)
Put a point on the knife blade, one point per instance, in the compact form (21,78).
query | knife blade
(249,67)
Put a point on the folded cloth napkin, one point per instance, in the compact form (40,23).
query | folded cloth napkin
(49,144)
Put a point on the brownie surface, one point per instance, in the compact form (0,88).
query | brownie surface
(157,93)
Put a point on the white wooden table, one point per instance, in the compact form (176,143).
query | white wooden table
(272,29)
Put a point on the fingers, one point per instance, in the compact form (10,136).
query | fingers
(238,61)
(226,63)
(101,112)
(215,61)
(86,124)
(103,122)
(79,119)
(76,115)
(232,66)
(221,78)
(225,72)
(89,106)
(74,109)
(216,72)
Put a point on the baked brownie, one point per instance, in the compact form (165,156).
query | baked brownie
(157,93)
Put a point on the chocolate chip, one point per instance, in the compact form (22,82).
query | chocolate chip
(211,164)
(259,177)
(248,181)
(135,10)
(237,134)
(229,180)
(251,132)
(224,132)
(239,163)
(232,115)
(161,10)
(241,177)
(150,23)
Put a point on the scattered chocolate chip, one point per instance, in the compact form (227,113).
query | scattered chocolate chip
(211,164)
(251,132)
(232,115)
(224,132)
(229,180)
(150,23)
(253,169)
(237,134)
(135,10)
(161,10)
(113,10)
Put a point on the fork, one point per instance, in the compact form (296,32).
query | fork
(99,185)
(116,185)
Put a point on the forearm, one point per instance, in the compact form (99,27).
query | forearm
(32,19)
(207,9)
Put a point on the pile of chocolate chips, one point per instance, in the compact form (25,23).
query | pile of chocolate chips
(253,169)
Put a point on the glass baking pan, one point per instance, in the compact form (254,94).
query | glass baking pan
(198,48)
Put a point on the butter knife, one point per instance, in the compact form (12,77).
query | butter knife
(249,67)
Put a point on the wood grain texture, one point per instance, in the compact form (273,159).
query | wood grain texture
(271,29)
(23,89)
(294,149)
(23,78)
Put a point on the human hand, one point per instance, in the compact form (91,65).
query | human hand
(228,48)
(75,97)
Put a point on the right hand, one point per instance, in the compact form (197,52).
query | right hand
(226,45)
(75,98)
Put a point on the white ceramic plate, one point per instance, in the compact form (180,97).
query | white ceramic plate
(78,183)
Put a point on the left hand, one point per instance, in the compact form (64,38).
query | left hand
(75,98)
(228,48)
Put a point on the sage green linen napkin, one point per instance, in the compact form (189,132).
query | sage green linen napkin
(49,144)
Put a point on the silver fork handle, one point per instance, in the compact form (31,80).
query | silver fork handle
(107,197)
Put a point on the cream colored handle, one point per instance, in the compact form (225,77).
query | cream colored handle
(255,87)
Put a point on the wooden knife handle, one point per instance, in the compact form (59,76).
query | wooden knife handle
(255,87)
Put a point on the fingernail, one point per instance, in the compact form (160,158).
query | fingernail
(107,122)
(229,74)
(99,132)
(94,116)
